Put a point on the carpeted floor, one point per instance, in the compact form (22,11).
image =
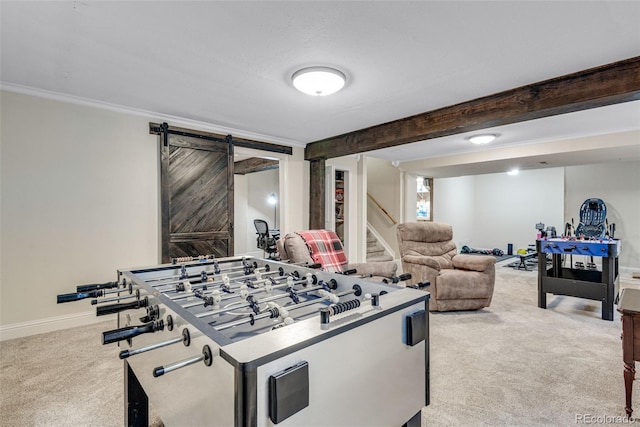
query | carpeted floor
(511,364)
(515,364)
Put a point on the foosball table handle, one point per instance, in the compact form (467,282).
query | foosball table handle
(129,332)
(116,308)
(77,296)
(206,357)
(95,287)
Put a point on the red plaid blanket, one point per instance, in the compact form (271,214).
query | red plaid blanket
(325,248)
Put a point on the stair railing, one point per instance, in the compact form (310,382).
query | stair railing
(392,219)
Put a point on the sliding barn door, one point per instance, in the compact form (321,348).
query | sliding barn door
(197,196)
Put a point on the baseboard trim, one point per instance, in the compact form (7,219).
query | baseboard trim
(50,324)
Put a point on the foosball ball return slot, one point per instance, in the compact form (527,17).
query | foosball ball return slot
(269,335)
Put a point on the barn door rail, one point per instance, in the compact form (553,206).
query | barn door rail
(164,130)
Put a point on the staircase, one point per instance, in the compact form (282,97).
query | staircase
(375,251)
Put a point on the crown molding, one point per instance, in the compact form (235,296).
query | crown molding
(173,120)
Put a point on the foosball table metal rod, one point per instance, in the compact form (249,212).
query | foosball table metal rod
(357,290)
(96,293)
(136,295)
(225,284)
(175,281)
(233,307)
(199,266)
(206,357)
(97,286)
(244,291)
(185,339)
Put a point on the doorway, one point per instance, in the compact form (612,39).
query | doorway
(257,196)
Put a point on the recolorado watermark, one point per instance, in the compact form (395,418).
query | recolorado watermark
(604,419)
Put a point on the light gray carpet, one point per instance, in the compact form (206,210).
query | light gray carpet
(511,364)
(63,378)
(515,364)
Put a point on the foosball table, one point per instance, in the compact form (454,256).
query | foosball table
(589,282)
(244,341)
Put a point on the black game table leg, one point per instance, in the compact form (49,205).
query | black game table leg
(609,274)
(136,402)
(542,273)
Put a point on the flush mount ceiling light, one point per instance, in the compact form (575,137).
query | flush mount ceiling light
(482,139)
(513,172)
(318,81)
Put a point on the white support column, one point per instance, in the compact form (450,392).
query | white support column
(362,209)
(403,196)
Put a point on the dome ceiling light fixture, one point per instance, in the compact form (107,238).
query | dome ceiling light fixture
(318,81)
(484,138)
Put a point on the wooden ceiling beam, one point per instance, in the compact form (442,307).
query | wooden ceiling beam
(596,87)
(254,164)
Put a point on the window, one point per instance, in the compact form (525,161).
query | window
(425,199)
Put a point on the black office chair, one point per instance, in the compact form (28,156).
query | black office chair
(266,240)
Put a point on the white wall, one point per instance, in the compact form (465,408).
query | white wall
(261,185)
(618,185)
(490,211)
(294,192)
(508,207)
(453,200)
(242,231)
(251,193)
(290,182)
(80,199)
(383,182)
(486,211)
(79,190)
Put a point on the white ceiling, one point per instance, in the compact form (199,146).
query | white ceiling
(228,64)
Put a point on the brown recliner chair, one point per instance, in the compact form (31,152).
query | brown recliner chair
(458,281)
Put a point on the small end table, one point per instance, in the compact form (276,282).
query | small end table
(629,308)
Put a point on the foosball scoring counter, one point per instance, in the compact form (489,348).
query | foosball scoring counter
(244,341)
